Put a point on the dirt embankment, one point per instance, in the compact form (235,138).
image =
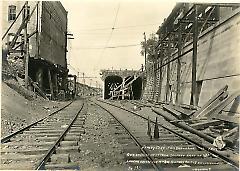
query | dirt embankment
(17,111)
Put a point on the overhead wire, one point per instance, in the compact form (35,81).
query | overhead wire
(114,23)
(110,36)
(121,27)
(109,47)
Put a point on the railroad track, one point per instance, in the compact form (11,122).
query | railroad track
(47,143)
(175,149)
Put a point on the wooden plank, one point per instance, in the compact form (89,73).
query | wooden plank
(209,110)
(187,112)
(212,99)
(204,124)
(175,113)
(233,119)
(41,93)
(226,102)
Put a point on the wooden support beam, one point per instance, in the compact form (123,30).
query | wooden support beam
(182,124)
(22,26)
(199,21)
(231,132)
(168,72)
(194,60)
(214,105)
(160,78)
(20,44)
(179,64)
(37,33)
(14,21)
(221,106)
(166,63)
(175,113)
(26,47)
(55,82)
(205,124)
(154,74)
(40,92)
(233,119)
(145,52)
(185,112)
(210,101)
(50,83)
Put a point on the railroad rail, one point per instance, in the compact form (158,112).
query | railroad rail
(47,143)
(137,142)
(177,148)
(8,137)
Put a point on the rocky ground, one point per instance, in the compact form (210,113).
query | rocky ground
(99,146)
(100,149)
(17,111)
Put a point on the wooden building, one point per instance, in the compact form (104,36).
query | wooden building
(47,31)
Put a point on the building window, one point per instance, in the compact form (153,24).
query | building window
(11,12)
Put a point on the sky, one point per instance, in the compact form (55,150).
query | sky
(91,23)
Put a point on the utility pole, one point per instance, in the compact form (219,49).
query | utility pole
(26,44)
(77,76)
(83,82)
(145,53)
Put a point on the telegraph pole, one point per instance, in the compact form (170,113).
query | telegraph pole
(78,76)
(145,53)
(83,82)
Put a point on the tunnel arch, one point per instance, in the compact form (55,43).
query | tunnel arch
(137,88)
(110,83)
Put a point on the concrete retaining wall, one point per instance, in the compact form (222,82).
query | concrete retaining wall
(218,62)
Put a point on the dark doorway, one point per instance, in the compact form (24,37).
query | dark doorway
(137,88)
